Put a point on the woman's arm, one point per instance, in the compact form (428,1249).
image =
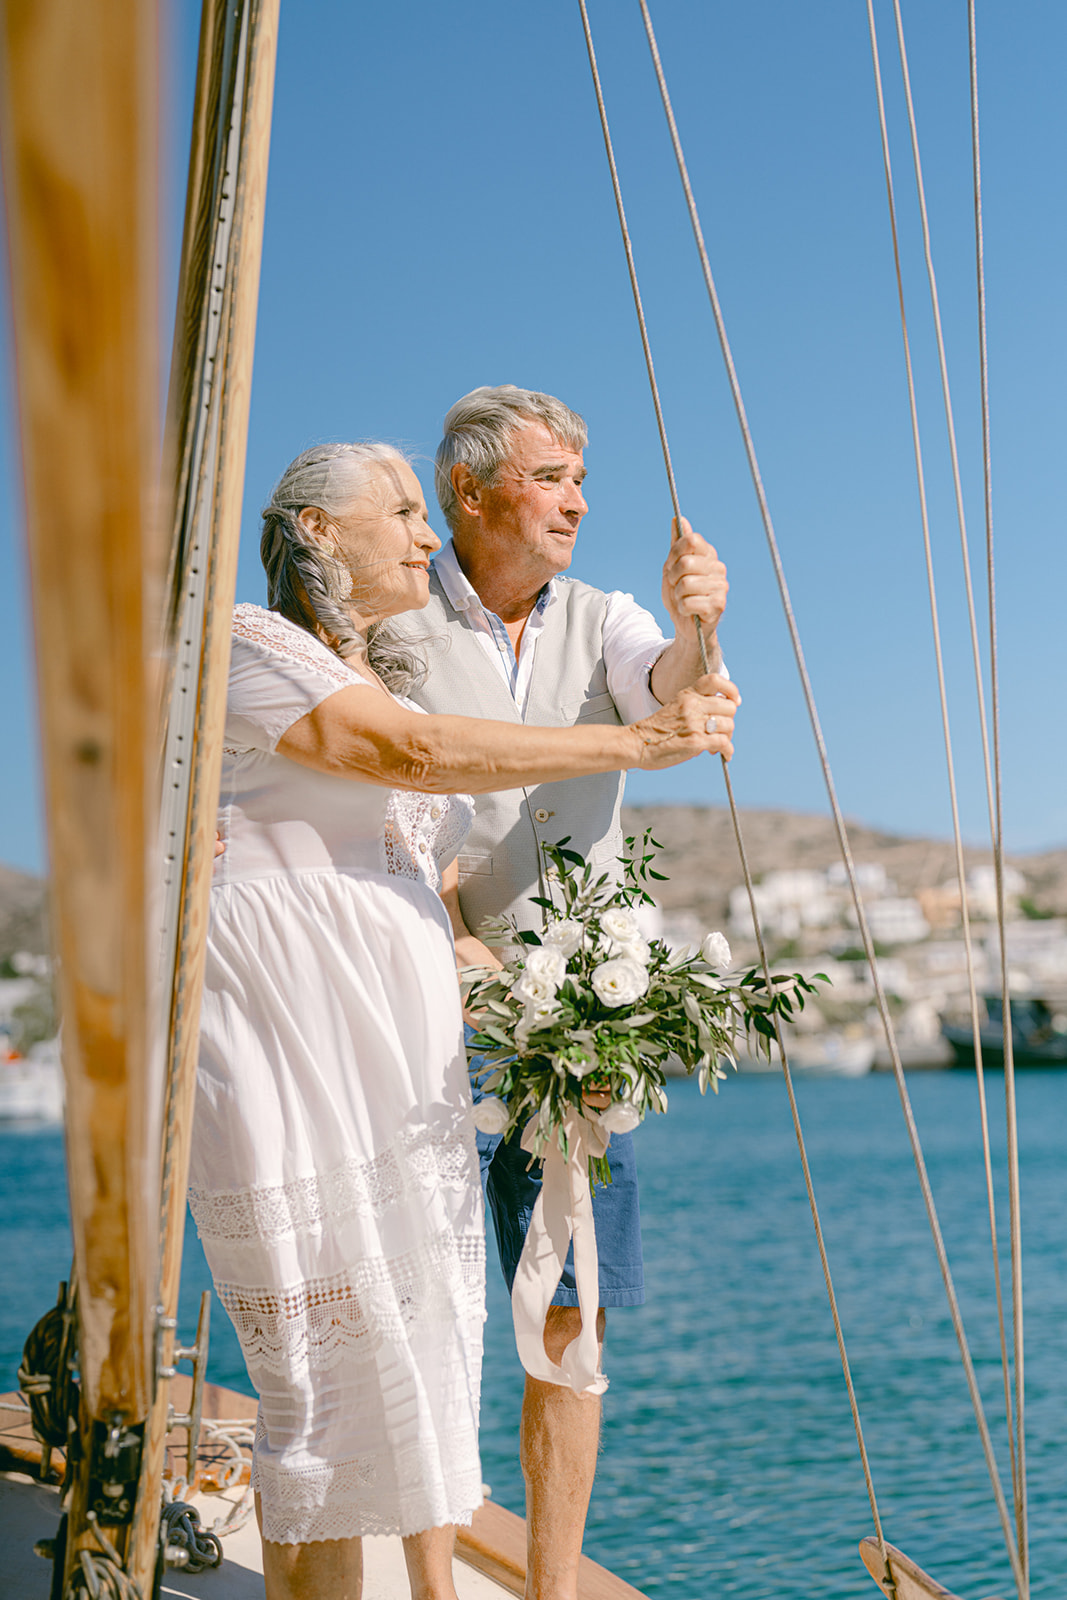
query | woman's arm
(361,733)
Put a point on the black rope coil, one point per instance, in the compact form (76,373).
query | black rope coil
(47,1376)
(180,1530)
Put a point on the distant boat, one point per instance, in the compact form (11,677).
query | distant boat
(1038,1036)
(820,1055)
(31,1088)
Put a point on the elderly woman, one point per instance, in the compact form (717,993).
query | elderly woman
(334,1176)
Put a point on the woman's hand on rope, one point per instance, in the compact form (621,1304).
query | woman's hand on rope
(697,719)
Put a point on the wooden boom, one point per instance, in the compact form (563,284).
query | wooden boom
(909,1580)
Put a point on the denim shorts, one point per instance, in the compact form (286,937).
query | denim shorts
(511,1192)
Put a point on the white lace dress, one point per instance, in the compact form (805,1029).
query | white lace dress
(334,1177)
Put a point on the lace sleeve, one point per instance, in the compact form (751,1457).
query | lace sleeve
(423,833)
(278,673)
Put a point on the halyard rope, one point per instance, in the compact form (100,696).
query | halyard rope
(843,841)
(935,626)
(1019,1454)
(735,817)
(839,824)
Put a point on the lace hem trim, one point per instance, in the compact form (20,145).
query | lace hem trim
(385,1493)
(414,1164)
(352,1315)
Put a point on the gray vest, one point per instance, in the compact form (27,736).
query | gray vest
(500,866)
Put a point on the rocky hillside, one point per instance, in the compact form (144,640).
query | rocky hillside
(23,916)
(700,855)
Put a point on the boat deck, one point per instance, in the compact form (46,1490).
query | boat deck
(491,1554)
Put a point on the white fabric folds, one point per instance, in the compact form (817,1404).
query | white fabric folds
(563,1212)
(334,1176)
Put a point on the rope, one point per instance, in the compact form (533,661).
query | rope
(186,1544)
(839,824)
(998,819)
(735,817)
(101,1577)
(924,513)
(236,1436)
(46,1376)
(634,286)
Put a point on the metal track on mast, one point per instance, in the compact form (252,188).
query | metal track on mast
(196,506)
(206,438)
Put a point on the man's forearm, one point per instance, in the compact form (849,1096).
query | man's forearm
(680,665)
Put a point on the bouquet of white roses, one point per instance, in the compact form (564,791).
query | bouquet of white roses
(591,1004)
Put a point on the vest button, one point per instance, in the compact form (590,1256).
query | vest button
(541,815)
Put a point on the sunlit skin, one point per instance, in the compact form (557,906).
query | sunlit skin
(510,538)
(385,539)
(516,533)
(520,530)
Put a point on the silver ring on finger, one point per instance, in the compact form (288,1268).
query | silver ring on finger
(712,725)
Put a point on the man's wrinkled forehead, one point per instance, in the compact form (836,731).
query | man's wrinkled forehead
(534,452)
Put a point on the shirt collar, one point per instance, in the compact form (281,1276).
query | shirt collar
(459,592)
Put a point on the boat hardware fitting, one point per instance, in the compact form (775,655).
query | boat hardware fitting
(197,1354)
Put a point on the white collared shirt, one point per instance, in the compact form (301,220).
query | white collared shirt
(633,642)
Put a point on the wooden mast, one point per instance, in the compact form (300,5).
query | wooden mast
(114,612)
(80,109)
(207,426)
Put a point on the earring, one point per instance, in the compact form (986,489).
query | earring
(338,577)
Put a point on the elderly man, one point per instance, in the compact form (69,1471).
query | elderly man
(525,645)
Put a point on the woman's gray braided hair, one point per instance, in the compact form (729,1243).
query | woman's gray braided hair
(331,477)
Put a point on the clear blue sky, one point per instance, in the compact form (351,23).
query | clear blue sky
(439,216)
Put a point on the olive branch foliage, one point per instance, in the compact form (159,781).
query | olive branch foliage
(540,1064)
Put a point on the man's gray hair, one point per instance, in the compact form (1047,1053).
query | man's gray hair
(331,477)
(479,430)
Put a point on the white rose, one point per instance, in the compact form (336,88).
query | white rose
(621,1117)
(491,1115)
(547,962)
(564,936)
(619,924)
(535,1016)
(620,982)
(533,990)
(716,951)
(634,950)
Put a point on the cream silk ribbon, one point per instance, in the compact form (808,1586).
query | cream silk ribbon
(563,1211)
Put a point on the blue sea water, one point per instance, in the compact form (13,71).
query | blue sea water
(729,1465)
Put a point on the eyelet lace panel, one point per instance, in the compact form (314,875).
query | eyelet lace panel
(318,1323)
(346,1499)
(422,829)
(415,1164)
(285,638)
